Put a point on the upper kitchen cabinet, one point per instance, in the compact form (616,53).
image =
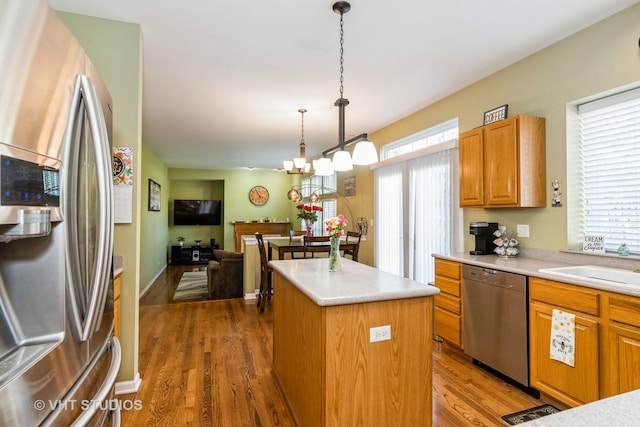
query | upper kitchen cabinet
(503,164)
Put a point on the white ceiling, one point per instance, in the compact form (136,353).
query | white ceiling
(223,80)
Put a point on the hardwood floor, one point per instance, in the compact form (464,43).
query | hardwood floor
(208,363)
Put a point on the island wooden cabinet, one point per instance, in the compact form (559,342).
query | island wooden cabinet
(448,303)
(328,368)
(503,164)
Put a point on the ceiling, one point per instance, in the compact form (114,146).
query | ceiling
(223,80)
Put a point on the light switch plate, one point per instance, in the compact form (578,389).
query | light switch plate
(522,230)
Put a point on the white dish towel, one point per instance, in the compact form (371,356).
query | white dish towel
(563,337)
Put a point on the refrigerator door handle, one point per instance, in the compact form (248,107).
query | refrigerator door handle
(70,208)
(105,389)
(89,303)
(104,253)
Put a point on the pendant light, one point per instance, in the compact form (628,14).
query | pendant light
(341,158)
(365,152)
(299,165)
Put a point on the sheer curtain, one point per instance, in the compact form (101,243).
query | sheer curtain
(417,214)
(390,219)
(429,219)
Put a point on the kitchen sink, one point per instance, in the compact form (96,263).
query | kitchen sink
(592,272)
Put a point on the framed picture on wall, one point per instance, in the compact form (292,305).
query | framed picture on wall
(154,196)
(350,186)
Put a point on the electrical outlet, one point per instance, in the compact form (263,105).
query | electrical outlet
(522,230)
(380,333)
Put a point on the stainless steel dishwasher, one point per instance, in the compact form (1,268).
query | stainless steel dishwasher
(495,321)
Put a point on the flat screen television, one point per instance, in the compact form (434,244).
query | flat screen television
(197,212)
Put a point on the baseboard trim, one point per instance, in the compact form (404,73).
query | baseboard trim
(251,295)
(128,387)
(148,287)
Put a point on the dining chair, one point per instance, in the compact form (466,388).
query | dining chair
(265,292)
(354,238)
(294,233)
(316,244)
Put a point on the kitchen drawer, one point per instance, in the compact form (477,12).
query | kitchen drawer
(447,268)
(564,296)
(624,309)
(448,326)
(449,303)
(448,286)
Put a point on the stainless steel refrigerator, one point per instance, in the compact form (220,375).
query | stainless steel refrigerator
(58,356)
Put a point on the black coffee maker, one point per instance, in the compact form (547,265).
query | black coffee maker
(483,232)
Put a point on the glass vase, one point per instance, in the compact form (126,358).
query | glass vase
(309,226)
(334,255)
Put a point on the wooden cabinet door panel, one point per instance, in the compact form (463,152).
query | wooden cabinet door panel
(471,160)
(446,268)
(624,360)
(501,167)
(448,326)
(448,303)
(448,286)
(573,386)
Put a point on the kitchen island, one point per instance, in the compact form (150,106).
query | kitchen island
(330,372)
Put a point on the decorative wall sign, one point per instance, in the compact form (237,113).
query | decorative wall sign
(154,196)
(495,115)
(593,244)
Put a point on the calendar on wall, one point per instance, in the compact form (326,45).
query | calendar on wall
(122,185)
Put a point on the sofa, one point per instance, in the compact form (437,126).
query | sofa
(225,275)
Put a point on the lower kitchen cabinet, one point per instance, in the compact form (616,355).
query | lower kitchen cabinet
(623,353)
(607,342)
(573,386)
(448,303)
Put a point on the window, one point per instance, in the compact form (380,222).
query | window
(609,169)
(325,188)
(417,208)
(447,131)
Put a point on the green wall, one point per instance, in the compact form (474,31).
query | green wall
(236,205)
(154,232)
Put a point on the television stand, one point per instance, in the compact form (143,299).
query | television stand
(192,255)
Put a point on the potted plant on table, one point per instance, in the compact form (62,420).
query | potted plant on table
(309,213)
(181,240)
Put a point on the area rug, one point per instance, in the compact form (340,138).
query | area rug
(530,414)
(192,287)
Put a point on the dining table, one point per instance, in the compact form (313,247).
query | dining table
(295,244)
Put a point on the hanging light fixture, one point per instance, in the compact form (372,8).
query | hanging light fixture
(365,152)
(299,165)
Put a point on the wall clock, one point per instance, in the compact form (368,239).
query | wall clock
(258,195)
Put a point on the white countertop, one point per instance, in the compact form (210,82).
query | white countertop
(530,267)
(357,283)
(619,411)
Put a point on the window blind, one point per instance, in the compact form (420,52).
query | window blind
(610,160)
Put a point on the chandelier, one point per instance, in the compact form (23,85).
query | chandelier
(364,152)
(299,165)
